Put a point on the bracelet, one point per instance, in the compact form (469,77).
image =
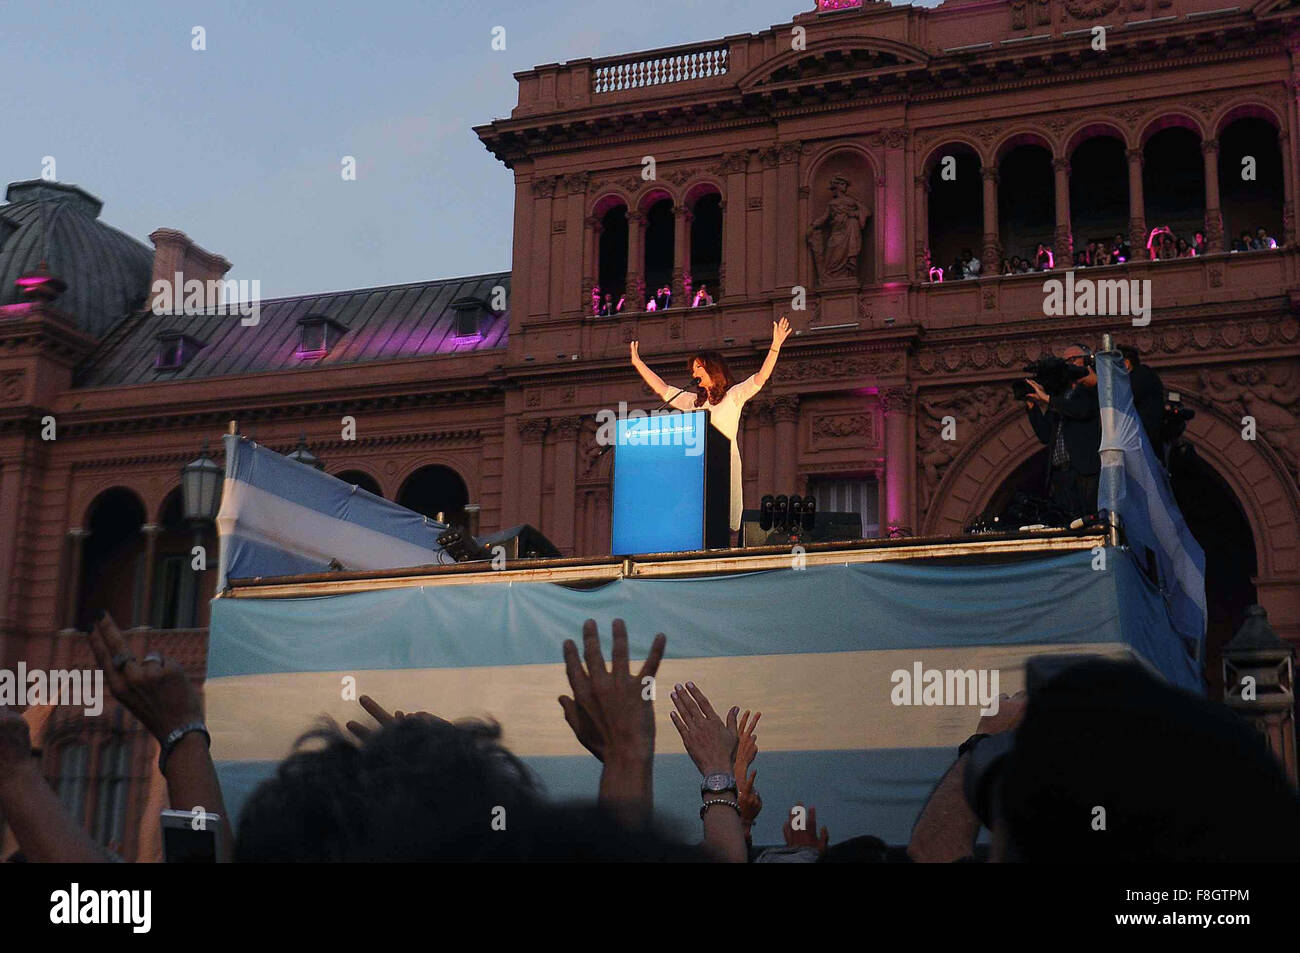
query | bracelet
(718,800)
(172,740)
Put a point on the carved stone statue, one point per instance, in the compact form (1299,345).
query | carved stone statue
(836,237)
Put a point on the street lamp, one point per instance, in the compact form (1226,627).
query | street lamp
(1259,684)
(201,488)
(303,455)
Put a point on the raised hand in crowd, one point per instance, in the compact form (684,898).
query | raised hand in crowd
(747,796)
(806,834)
(946,828)
(383,717)
(158,692)
(712,745)
(612,715)
(45,832)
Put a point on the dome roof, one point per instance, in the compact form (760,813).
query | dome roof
(107,271)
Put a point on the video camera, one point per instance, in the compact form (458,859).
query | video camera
(1056,375)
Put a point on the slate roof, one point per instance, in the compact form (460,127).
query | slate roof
(379,324)
(107,271)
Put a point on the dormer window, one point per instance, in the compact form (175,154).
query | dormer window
(317,334)
(175,349)
(469,316)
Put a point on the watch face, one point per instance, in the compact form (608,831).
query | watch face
(719,782)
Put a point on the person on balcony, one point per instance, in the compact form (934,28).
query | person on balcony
(702,298)
(1043,260)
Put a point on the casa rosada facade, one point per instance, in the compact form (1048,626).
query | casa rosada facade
(833,168)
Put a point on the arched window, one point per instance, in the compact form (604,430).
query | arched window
(112,560)
(706,243)
(1173,182)
(956,209)
(1099,207)
(435,489)
(613,252)
(1027,203)
(659,246)
(1251,193)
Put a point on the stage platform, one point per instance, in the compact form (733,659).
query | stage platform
(820,641)
(712,562)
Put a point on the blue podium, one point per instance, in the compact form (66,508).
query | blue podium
(672,485)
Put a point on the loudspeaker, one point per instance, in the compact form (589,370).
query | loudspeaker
(520,542)
(827,528)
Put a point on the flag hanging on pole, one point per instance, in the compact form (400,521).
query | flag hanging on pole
(280,517)
(1134,485)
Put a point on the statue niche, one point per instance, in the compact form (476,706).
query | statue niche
(836,235)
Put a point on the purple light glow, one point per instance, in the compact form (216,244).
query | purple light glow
(825,5)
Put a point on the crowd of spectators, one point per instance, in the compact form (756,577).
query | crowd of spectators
(1162,244)
(604,305)
(1180,778)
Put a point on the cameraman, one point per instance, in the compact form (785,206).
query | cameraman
(1148,395)
(1069,424)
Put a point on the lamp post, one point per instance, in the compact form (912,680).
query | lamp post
(1259,684)
(303,455)
(200,500)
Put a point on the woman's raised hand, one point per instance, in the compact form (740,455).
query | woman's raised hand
(780,331)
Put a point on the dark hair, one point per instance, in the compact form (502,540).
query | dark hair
(425,790)
(1131,354)
(716,366)
(1179,778)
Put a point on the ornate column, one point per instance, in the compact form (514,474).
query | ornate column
(150,531)
(1288,188)
(785,414)
(769,159)
(1213,214)
(635,283)
(722,264)
(591,261)
(1137,214)
(1064,250)
(76,542)
(532,432)
(734,166)
(921,205)
(761,408)
(896,404)
(991,253)
(789,241)
(566,482)
(682,218)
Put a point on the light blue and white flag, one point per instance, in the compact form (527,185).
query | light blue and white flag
(1134,484)
(280,517)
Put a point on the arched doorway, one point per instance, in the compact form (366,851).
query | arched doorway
(1219,524)
(435,489)
(1217,521)
(362,479)
(112,560)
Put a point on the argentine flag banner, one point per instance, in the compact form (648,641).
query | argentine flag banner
(280,517)
(1134,484)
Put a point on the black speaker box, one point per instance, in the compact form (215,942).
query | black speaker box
(828,528)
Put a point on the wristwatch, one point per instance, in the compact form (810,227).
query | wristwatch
(717,783)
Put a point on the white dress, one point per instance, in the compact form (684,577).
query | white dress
(725,415)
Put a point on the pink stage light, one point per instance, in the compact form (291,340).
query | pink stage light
(825,5)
